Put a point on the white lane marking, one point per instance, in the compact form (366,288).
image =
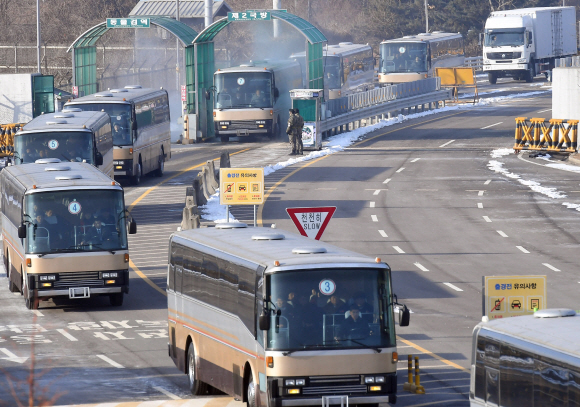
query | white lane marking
(397,248)
(37,313)
(372,204)
(480,193)
(491,125)
(421,267)
(378,191)
(522,249)
(487,219)
(383,233)
(67,335)
(415,160)
(168,394)
(449,142)
(543,111)
(400,169)
(386,181)
(453,286)
(502,234)
(550,266)
(487,182)
(374,218)
(110,361)
(480,205)
(12,357)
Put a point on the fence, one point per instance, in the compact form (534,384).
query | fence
(474,62)
(567,62)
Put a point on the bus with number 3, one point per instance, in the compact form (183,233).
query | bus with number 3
(276,319)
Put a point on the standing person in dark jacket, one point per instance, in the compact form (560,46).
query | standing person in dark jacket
(299,127)
(292,123)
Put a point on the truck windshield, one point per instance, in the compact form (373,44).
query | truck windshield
(332,72)
(400,57)
(502,39)
(120,119)
(64,145)
(243,89)
(329,309)
(75,220)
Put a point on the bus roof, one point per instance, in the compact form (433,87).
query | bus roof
(259,66)
(73,121)
(59,175)
(558,333)
(340,49)
(425,37)
(245,244)
(121,95)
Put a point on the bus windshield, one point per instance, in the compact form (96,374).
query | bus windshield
(75,220)
(403,57)
(243,89)
(329,309)
(502,39)
(332,72)
(120,119)
(64,145)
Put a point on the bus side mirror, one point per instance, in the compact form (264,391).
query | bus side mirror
(132,227)
(264,321)
(22,231)
(276,93)
(134,126)
(207,94)
(98,158)
(404,316)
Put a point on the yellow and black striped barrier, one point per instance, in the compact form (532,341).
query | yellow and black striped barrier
(7,132)
(410,386)
(551,135)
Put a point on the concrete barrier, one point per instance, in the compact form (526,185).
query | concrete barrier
(190,218)
(212,177)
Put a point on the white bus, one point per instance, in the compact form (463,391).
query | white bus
(254,98)
(276,319)
(348,68)
(65,232)
(531,360)
(414,57)
(141,128)
(69,136)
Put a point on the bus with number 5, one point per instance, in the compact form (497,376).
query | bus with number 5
(276,319)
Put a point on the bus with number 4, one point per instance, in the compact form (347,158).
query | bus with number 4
(64,228)
(276,319)
(141,128)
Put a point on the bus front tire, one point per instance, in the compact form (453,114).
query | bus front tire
(196,387)
(30,302)
(251,394)
(530,73)
(225,139)
(492,78)
(138,174)
(161,168)
(11,286)
(116,299)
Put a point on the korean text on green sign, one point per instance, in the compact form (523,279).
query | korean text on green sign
(128,23)
(249,16)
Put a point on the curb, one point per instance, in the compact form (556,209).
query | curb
(574,159)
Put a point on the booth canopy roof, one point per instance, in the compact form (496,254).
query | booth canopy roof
(312,34)
(183,32)
(187,8)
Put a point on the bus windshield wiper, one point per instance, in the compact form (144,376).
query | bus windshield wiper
(310,346)
(377,350)
(99,246)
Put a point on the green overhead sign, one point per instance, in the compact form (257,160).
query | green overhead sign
(249,16)
(128,23)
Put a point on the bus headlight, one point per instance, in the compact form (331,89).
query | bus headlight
(289,382)
(300,382)
(49,277)
(111,275)
(369,380)
(120,162)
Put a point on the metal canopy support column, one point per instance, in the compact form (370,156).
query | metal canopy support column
(205,68)
(190,78)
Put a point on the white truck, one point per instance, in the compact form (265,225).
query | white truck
(525,42)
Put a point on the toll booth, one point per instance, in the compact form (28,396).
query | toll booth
(309,103)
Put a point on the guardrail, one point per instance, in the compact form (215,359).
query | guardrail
(474,62)
(549,135)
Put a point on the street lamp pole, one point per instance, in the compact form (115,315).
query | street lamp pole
(38,35)
(426,18)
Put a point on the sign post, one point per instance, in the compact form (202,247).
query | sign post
(241,186)
(311,222)
(511,296)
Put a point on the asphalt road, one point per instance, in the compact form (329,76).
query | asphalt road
(437,222)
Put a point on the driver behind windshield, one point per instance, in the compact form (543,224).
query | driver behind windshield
(354,327)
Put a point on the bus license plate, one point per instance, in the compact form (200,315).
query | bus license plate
(79,292)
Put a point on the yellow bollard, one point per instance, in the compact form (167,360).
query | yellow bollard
(409,386)
(418,388)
